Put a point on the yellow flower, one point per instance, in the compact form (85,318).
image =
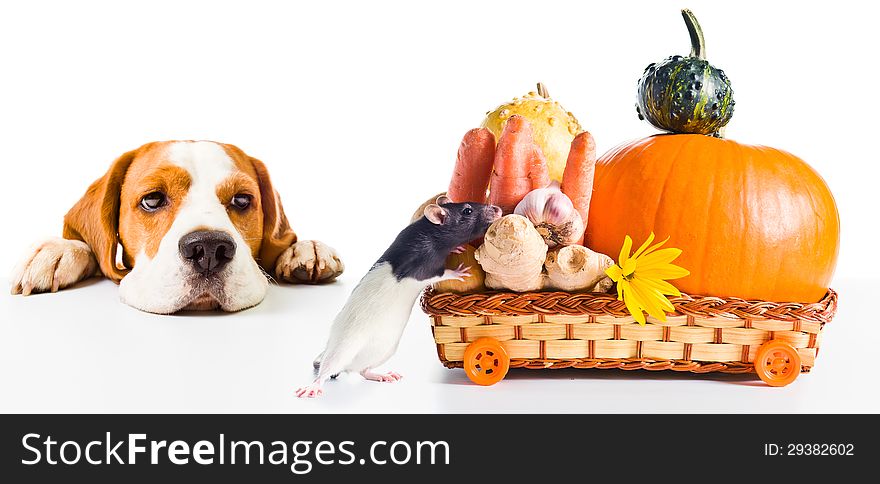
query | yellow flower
(641,278)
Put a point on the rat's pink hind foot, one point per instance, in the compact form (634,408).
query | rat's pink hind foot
(459,249)
(310,391)
(391,376)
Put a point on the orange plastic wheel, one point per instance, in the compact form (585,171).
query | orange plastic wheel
(777,363)
(486,362)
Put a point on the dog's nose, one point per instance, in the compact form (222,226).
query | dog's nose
(207,250)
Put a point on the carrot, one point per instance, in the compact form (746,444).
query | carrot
(539,172)
(577,179)
(473,167)
(519,167)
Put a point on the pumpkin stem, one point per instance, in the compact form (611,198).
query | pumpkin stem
(698,45)
(542,91)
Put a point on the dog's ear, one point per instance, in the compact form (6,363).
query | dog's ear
(94,219)
(277,234)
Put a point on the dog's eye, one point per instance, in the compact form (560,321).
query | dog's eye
(153,201)
(241,201)
(467,211)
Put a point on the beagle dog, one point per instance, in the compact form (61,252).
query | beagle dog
(179,225)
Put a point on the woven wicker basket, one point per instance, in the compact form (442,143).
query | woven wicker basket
(542,330)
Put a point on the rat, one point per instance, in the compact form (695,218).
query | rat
(367,330)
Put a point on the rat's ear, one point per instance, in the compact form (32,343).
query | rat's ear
(277,234)
(436,214)
(442,200)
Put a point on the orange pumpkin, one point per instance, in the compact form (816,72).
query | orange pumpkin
(752,222)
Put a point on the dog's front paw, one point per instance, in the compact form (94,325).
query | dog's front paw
(309,262)
(52,265)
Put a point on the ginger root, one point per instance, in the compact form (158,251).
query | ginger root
(512,255)
(577,268)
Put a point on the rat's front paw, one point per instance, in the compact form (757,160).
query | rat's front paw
(459,274)
(309,262)
(52,265)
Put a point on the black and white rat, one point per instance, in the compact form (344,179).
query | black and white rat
(367,330)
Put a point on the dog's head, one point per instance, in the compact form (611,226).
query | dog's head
(196,222)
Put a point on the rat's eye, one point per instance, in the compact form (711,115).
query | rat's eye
(153,201)
(467,211)
(240,201)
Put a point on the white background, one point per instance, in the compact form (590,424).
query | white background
(358,108)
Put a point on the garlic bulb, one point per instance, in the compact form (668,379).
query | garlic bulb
(553,214)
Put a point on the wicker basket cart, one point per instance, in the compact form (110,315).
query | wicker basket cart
(489,332)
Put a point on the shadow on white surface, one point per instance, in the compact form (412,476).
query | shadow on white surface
(81,350)
(526,374)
